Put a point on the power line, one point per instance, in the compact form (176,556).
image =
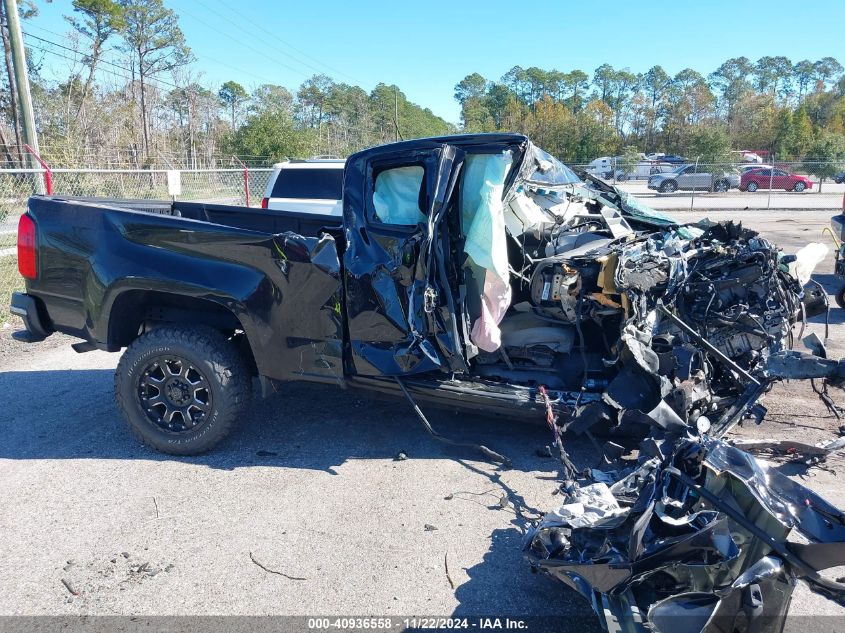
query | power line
(240,70)
(206,57)
(129,70)
(101,61)
(245,45)
(32,25)
(60,56)
(275,41)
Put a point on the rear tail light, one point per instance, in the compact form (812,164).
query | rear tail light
(264,202)
(27,257)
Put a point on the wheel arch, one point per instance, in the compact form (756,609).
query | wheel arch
(133,310)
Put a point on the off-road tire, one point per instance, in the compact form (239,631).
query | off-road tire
(214,357)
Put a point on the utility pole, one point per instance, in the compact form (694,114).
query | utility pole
(398,135)
(22,81)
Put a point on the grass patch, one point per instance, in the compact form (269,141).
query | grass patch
(10,281)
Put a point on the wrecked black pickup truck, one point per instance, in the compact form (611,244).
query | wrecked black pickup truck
(471,271)
(477,272)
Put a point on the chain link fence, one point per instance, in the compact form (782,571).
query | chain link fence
(221,186)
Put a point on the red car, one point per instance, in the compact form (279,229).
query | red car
(766,178)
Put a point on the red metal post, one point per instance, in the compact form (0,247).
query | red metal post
(48,174)
(246,185)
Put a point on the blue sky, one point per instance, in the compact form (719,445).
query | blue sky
(426,47)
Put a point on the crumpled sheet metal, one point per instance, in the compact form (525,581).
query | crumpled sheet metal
(789,502)
(760,595)
(594,505)
(669,560)
(697,322)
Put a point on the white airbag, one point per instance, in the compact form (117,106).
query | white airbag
(397,194)
(483,219)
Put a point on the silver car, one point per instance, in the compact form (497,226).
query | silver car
(689,177)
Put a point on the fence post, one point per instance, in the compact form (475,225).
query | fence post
(771,181)
(694,180)
(48,174)
(246,178)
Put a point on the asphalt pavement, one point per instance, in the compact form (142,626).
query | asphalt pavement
(311,486)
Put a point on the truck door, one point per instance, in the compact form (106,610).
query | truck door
(399,308)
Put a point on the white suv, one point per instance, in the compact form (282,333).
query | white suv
(306,186)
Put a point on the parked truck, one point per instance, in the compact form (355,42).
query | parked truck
(471,272)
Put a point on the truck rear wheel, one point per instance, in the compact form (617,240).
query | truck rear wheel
(182,388)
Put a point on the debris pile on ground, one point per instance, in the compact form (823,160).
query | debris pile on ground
(681,329)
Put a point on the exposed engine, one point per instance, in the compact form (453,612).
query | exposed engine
(641,315)
(670,333)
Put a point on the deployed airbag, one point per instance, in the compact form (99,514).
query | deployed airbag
(483,219)
(397,195)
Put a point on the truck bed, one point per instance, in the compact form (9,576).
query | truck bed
(107,267)
(250,218)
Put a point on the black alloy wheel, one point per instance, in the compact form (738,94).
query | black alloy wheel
(174,394)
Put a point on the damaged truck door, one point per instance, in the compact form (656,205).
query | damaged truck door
(406,296)
(393,210)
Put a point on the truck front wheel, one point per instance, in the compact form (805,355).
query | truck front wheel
(181,389)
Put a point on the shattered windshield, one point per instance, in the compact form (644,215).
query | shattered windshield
(541,168)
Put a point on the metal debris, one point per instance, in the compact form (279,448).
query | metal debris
(786,450)
(697,533)
(679,330)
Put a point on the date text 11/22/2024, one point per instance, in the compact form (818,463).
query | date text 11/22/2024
(418,622)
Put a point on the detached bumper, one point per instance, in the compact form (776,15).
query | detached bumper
(26,307)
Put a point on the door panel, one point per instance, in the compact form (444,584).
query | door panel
(394,300)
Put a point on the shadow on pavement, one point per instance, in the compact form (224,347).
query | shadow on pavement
(544,603)
(67,414)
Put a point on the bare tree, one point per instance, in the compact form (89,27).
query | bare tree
(153,36)
(98,20)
